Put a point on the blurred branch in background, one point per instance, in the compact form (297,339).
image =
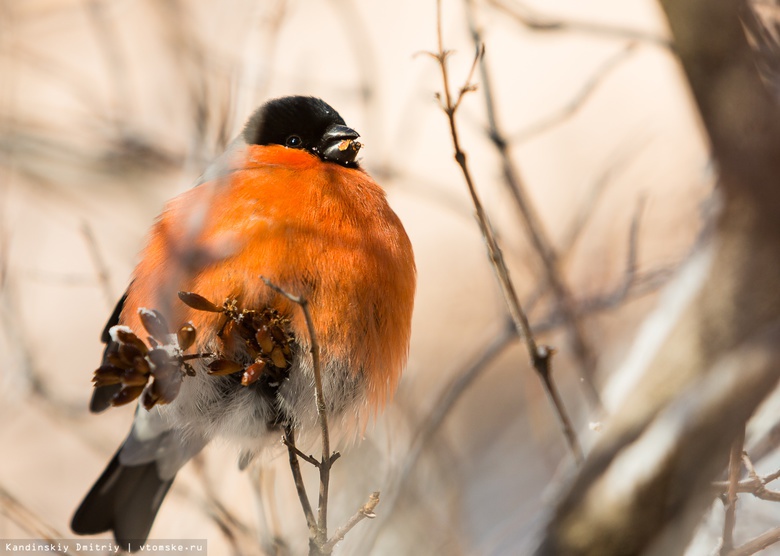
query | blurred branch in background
(546,252)
(535,22)
(574,104)
(14,510)
(540,355)
(107,108)
(647,482)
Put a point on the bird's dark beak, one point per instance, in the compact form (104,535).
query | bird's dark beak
(339,144)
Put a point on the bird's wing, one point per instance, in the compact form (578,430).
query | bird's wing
(223,166)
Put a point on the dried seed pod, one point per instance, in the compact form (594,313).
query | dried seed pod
(167,383)
(126,395)
(251,348)
(198,302)
(159,358)
(226,330)
(155,324)
(107,375)
(141,365)
(245,330)
(186,336)
(134,378)
(264,339)
(278,334)
(150,396)
(115,359)
(222,367)
(252,373)
(277,358)
(127,354)
(129,338)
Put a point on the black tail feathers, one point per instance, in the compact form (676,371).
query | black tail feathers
(125,500)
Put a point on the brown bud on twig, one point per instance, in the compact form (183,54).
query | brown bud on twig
(186,336)
(198,302)
(222,367)
(141,364)
(167,384)
(278,359)
(150,397)
(134,378)
(126,395)
(129,338)
(155,324)
(264,339)
(252,373)
(128,354)
(107,375)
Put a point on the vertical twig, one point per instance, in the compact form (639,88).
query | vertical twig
(103,274)
(730,520)
(114,61)
(289,441)
(320,539)
(540,355)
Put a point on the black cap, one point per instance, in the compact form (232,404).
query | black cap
(307,123)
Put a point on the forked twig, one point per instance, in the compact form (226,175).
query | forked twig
(319,543)
(327,458)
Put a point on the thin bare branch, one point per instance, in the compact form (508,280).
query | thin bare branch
(114,61)
(574,104)
(539,355)
(328,458)
(311,460)
(295,466)
(730,520)
(587,208)
(235,531)
(758,544)
(269,523)
(541,244)
(754,484)
(453,392)
(101,268)
(535,22)
(365,512)
(25,518)
(442,407)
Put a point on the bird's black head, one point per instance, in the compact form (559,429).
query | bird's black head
(306,123)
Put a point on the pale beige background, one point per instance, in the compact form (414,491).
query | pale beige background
(97,105)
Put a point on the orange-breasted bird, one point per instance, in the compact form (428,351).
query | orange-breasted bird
(211,350)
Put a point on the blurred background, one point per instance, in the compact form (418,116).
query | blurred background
(110,107)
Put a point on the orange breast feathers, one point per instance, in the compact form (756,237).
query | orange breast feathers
(313,228)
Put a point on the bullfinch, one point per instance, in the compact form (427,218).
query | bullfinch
(210,350)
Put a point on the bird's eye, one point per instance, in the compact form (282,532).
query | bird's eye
(293,141)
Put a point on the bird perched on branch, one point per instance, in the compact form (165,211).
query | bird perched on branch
(210,350)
